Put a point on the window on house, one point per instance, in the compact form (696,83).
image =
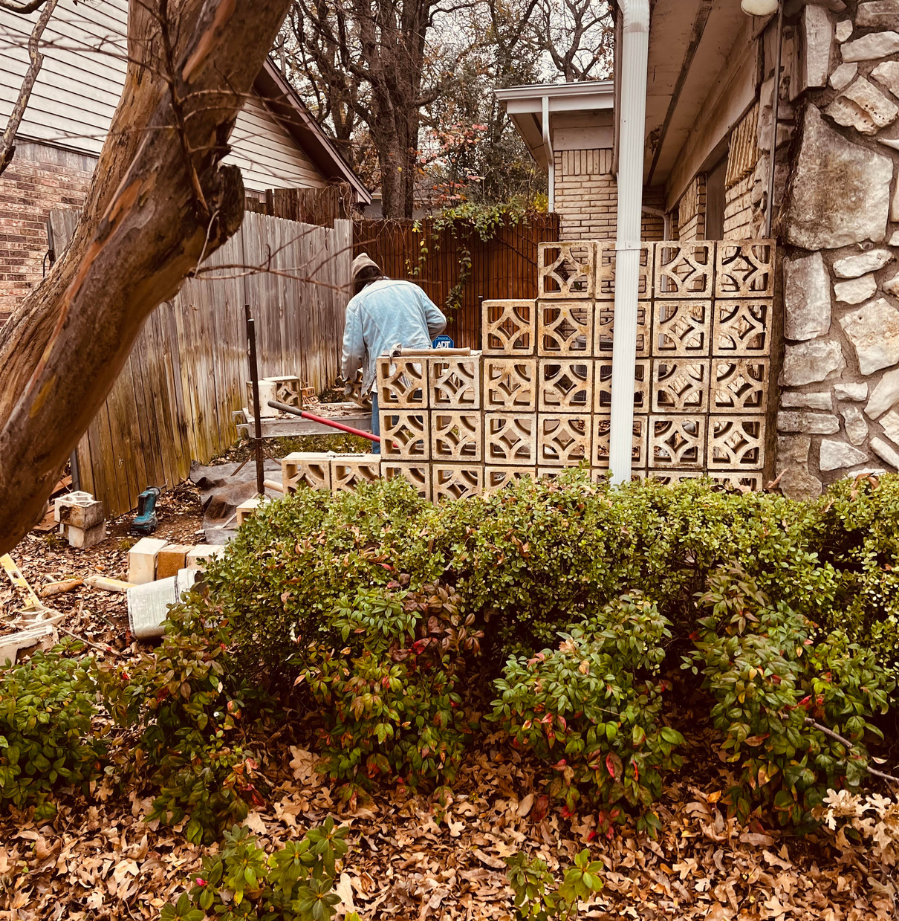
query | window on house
(714,200)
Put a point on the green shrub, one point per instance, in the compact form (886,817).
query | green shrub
(46,708)
(185,705)
(295,883)
(586,707)
(771,681)
(536,896)
(392,707)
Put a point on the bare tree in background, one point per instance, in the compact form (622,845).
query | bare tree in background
(576,36)
(160,201)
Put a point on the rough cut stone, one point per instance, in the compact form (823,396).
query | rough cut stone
(853,266)
(821,399)
(836,454)
(843,76)
(885,451)
(817,37)
(873,330)
(850,391)
(884,395)
(792,468)
(894,239)
(862,106)
(870,47)
(855,290)
(843,30)
(816,216)
(887,74)
(890,423)
(808,423)
(881,14)
(892,286)
(809,362)
(806,297)
(856,427)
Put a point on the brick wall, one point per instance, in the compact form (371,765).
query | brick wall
(652,226)
(691,211)
(738,210)
(38,179)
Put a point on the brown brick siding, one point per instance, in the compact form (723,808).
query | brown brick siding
(691,211)
(39,178)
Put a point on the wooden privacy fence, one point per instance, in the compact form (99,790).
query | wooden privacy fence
(503,267)
(187,372)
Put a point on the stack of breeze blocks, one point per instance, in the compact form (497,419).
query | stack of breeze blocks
(537,398)
(81,520)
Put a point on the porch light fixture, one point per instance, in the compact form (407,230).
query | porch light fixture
(759,7)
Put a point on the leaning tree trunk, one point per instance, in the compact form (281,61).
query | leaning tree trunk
(159,203)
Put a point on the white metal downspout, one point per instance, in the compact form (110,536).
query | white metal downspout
(632,125)
(550,156)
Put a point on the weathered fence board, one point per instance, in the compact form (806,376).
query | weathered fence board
(187,373)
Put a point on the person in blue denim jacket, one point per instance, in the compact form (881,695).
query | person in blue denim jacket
(384,313)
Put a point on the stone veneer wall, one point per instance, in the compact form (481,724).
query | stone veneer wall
(839,397)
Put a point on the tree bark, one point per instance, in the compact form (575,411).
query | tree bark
(159,203)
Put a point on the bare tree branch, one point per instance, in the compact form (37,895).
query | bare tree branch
(22,8)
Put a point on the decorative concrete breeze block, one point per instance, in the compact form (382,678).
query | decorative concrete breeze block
(602,386)
(508,327)
(85,538)
(563,439)
(419,475)
(405,435)
(79,509)
(350,470)
(510,438)
(599,457)
(402,383)
(565,329)
(456,481)
(171,559)
(736,443)
(454,382)
(604,327)
(285,389)
(566,269)
(497,477)
(249,508)
(197,556)
(142,560)
(676,442)
(510,384)
(565,385)
(456,436)
(311,469)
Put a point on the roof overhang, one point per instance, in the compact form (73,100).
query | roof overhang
(284,103)
(525,106)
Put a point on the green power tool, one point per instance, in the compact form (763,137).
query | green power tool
(146,520)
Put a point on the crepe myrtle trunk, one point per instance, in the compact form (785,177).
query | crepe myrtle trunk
(160,202)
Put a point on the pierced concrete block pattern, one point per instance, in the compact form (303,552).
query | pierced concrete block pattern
(738,480)
(565,385)
(564,329)
(739,386)
(419,475)
(511,438)
(402,383)
(603,323)
(509,327)
(742,328)
(605,271)
(454,382)
(306,469)
(456,436)
(563,439)
(676,442)
(736,442)
(600,475)
(348,471)
(744,269)
(600,452)
(497,477)
(602,386)
(680,385)
(405,435)
(566,269)
(684,269)
(510,384)
(456,481)
(673,477)
(681,328)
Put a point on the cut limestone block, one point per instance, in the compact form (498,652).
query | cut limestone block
(79,509)
(40,636)
(510,384)
(565,329)
(563,439)
(170,559)
(405,435)
(456,436)
(565,385)
(566,269)
(310,469)
(455,382)
(419,475)
(142,560)
(736,442)
(510,439)
(602,386)
(602,425)
(348,471)
(456,481)
(199,555)
(248,509)
(604,326)
(676,442)
(606,257)
(497,477)
(509,327)
(680,385)
(85,538)
(401,383)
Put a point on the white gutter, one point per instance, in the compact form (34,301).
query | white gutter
(632,126)
(550,156)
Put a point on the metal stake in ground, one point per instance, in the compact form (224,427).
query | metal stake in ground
(254,377)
